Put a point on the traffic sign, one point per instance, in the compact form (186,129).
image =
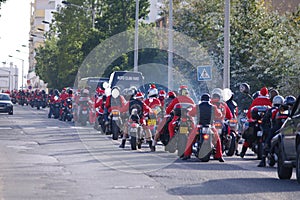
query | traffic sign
(204,73)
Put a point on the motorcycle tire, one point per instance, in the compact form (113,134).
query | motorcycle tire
(231,148)
(181,144)
(271,160)
(115,131)
(133,143)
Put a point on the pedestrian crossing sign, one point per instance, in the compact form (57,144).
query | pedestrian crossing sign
(204,73)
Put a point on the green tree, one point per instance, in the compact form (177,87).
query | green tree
(264,45)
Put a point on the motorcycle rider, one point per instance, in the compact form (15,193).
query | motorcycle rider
(114,101)
(99,106)
(232,105)
(152,100)
(270,127)
(261,100)
(181,98)
(206,112)
(163,125)
(161,97)
(137,102)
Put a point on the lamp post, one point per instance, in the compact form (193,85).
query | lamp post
(226,70)
(92,9)
(136,37)
(170,46)
(22,68)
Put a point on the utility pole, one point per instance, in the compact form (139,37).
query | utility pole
(226,70)
(170,47)
(136,37)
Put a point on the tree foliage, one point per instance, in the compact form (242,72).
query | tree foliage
(264,45)
(71,37)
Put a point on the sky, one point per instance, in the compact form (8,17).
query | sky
(14,32)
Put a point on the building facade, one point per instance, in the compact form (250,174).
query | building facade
(8,77)
(40,17)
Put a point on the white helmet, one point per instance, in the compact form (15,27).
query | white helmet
(278,100)
(153,92)
(217,91)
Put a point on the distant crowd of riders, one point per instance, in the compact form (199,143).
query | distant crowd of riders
(212,127)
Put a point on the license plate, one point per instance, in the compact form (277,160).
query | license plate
(151,122)
(84,112)
(259,133)
(133,130)
(183,130)
(115,118)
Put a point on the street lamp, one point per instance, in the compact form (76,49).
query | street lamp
(92,9)
(226,70)
(22,68)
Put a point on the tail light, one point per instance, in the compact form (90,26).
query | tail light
(70,106)
(205,136)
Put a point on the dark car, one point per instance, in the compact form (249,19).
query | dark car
(287,142)
(6,106)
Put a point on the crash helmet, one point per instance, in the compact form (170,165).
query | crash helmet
(217,93)
(115,92)
(152,92)
(289,100)
(171,94)
(245,88)
(278,100)
(205,97)
(183,90)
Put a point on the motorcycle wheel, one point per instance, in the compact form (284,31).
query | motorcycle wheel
(181,144)
(133,143)
(231,148)
(115,131)
(298,164)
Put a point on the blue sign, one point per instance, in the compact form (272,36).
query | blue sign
(204,73)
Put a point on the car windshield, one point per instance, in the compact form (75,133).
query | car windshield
(4,97)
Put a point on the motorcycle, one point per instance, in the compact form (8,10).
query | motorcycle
(83,115)
(56,107)
(115,123)
(203,148)
(228,138)
(183,126)
(68,110)
(254,131)
(135,130)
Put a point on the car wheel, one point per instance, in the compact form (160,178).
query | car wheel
(283,172)
(298,164)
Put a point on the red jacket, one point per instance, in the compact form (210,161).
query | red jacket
(152,102)
(259,101)
(117,107)
(224,109)
(179,99)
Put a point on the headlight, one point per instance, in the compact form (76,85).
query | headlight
(9,105)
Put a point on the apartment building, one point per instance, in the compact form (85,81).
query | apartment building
(40,17)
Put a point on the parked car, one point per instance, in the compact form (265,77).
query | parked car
(287,142)
(6,106)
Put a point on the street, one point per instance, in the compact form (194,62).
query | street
(43,158)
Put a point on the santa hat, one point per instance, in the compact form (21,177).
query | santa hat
(264,91)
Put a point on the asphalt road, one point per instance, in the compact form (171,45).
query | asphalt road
(43,158)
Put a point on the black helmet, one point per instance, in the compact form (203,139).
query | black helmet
(289,100)
(245,88)
(205,97)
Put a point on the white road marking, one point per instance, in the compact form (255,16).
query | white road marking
(5,128)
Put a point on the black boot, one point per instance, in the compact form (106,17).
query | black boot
(150,144)
(122,145)
(243,152)
(262,162)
